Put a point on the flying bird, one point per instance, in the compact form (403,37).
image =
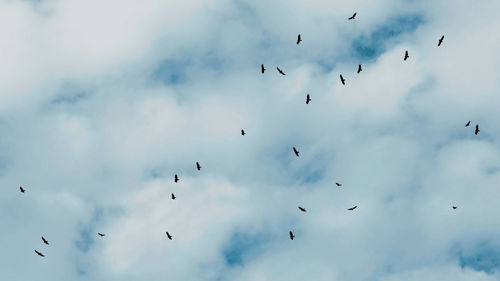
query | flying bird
(262,69)
(168,235)
(173,196)
(198,166)
(280,71)
(440,40)
(242,132)
(308,99)
(338,184)
(22,189)
(350,209)
(342,79)
(291,235)
(302,209)
(101,234)
(296,151)
(38,253)
(298,39)
(359,68)
(353,16)
(454,207)
(477,129)
(176,178)
(467,124)
(406,55)
(45,241)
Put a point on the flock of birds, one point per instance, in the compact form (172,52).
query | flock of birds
(296,152)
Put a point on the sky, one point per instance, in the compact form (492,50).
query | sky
(103,102)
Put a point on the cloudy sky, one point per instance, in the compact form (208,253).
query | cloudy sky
(103,102)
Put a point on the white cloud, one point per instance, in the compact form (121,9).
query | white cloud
(95,134)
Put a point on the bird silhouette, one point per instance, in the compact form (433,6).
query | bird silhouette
(176,178)
(38,253)
(242,132)
(308,99)
(168,235)
(338,184)
(262,69)
(280,71)
(302,209)
(198,166)
(467,124)
(291,235)
(353,16)
(477,130)
(22,189)
(45,240)
(173,196)
(350,209)
(342,79)
(440,40)
(298,39)
(406,55)
(359,68)
(296,151)
(101,234)
(454,207)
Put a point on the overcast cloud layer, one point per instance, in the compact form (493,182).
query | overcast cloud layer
(102,102)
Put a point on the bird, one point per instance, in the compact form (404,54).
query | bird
(467,124)
(262,69)
(168,235)
(308,99)
(338,184)
(173,196)
(296,151)
(298,39)
(342,79)
(353,16)
(359,68)
(291,235)
(38,253)
(101,234)
(350,209)
(198,166)
(242,132)
(45,241)
(176,178)
(440,40)
(454,207)
(302,209)
(280,71)
(477,129)
(22,189)
(406,55)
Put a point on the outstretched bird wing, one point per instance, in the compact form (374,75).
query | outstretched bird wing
(38,253)
(440,40)
(262,69)
(45,240)
(353,16)
(298,39)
